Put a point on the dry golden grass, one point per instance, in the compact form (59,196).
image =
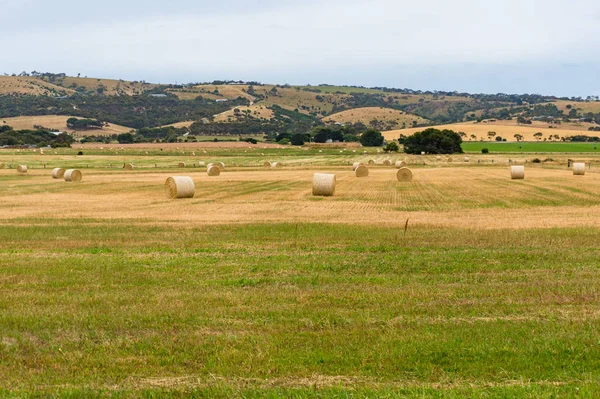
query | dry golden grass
(111,87)
(29,85)
(435,197)
(367,114)
(505,129)
(257,111)
(59,122)
(583,106)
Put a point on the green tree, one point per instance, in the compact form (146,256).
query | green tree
(298,139)
(433,141)
(371,138)
(391,147)
(125,138)
(538,135)
(518,137)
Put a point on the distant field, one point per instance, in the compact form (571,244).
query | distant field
(504,129)
(30,86)
(367,114)
(530,147)
(59,122)
(256,111)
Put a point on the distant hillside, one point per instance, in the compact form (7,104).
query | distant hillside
(256,108)
(377,117)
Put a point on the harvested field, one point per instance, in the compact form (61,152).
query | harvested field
(459,283)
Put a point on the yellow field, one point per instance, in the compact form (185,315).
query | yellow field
(583,106)
(505,129)
(29,85)
(59,122)
(442,194)
(111,87)
(257,111)
(367,114)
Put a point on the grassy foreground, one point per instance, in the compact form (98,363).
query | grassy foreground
(118,309)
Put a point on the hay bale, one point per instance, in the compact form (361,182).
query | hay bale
(213,170)
(276,165)
(267,164)
(22,169)
(73,175)
(58,173)
(128,166)
(361,171)
(404,175)
(450,159)
(579,168)
(180,187)
(466,159)
(517,172)
(400,164)
(2,166)
(324,184)
(387,162)
(438,158)
(371,162)
(181,165)
(201,164)
(355,165)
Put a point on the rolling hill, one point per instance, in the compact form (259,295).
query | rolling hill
(379,117)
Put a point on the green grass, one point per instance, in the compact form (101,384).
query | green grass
(96,308)
(541,147)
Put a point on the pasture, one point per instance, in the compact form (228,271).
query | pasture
(461,282)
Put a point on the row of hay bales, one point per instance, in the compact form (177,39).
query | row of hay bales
(517,172)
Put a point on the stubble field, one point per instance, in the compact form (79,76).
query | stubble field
(256,288)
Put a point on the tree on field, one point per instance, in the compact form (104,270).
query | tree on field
(298,139)
(433,141)
(371,138)
(473,137)
(391,147)
(538,135)
(491,135)
(125,138)
(518,137)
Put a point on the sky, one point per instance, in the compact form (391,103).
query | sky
(548,47)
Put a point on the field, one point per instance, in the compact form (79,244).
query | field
(506,130)
(529,147)
(368,114)
(461,283)
(59,122)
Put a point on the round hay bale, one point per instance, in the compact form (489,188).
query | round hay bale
(22,169)
(355,165)
(213,170)
(579,168)
(450,159)
(400,164)
(276,165)
(128,166)
(438,158)
(181,165)
(371,162)
(387,162)
(466,159)
(73,175)
(324,184)
(422,152)
(180,187)
(201,164)
(267,164)
(517,172)
(361,171)
(404,175)
(58,173)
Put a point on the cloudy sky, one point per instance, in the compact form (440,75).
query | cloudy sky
(513,46)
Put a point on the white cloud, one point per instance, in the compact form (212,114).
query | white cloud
(240,39)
